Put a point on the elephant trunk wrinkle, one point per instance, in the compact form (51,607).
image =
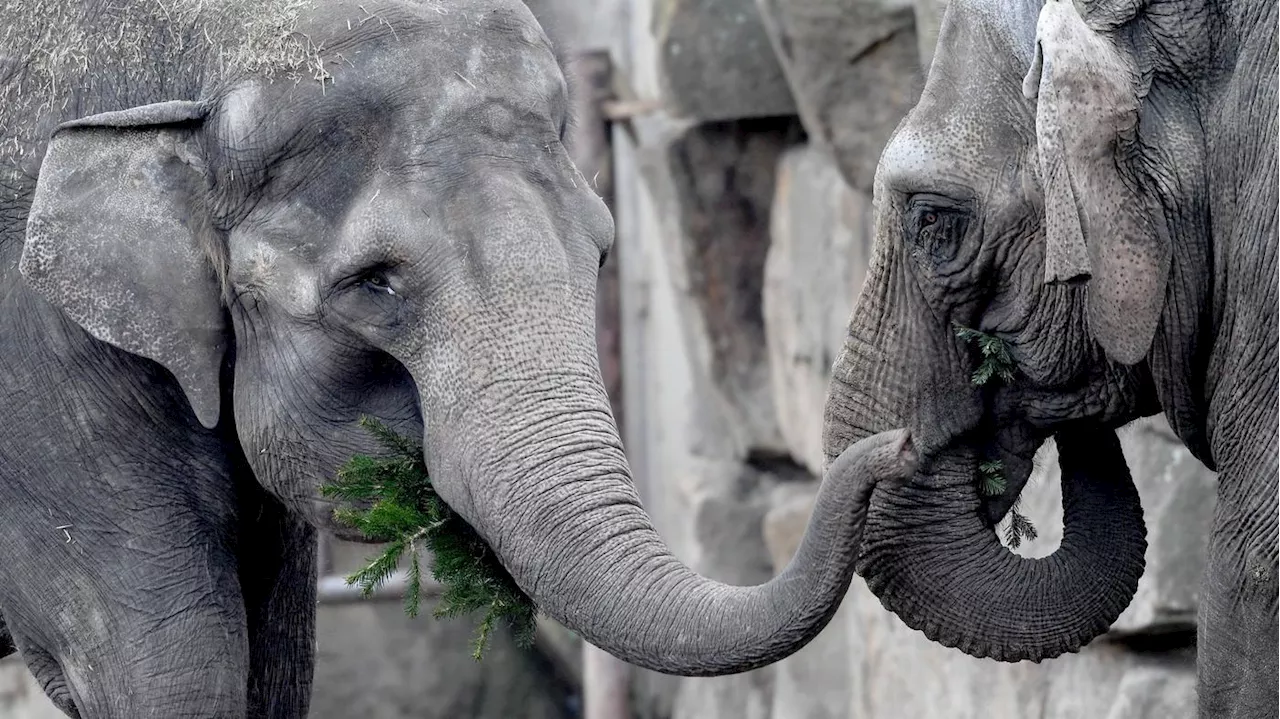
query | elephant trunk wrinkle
(561,511)
(928,552)
(933,562)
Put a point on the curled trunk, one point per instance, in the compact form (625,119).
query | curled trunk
(928,554)
(935,563)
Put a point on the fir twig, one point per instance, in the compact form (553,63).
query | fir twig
(406,513)
(991,478)
(996,359)
(1019,528)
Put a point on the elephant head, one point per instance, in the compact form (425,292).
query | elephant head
(407,239)
(1012,200)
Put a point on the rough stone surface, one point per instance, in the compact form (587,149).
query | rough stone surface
(868,664)
(854,70)
(20,696)
(575,26)
(375,662)
(716,63)
(701,428)
(715,185)
(821,244)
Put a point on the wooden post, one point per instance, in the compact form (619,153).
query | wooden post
(605,679)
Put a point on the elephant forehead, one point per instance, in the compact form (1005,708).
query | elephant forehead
(431,79)
(1008,27)
(925,159)
(482,41)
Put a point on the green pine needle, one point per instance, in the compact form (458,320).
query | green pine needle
(1019,528)
(997,362)
(407,514)
(996,359)
(991,478)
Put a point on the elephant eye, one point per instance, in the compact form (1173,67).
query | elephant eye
(934,229)
(378,282)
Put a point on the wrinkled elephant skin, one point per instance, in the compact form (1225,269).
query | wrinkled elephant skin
(221,244)
(1093,185)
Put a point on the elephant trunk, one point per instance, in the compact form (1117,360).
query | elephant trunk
(550,489)
(935,563)
(928,554)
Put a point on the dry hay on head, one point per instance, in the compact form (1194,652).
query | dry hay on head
(58,43)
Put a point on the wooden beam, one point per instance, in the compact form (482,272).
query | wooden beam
(606,680)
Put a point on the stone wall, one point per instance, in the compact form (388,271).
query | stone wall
(744,232)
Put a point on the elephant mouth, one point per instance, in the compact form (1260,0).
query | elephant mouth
(323,518)
(1006,448)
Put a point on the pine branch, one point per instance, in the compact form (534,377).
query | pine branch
(1019,528)
(393,441)
(413,590)
(372,575)
(404,510)
(996,358)
(991,480)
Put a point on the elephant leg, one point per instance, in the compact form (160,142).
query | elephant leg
(121,623)
(278,579)
(50,678)
(1238,612)
(7,646)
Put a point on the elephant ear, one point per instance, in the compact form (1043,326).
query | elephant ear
(114,240)
(1099,225)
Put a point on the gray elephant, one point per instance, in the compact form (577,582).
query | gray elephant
(228,230)
(1094,184)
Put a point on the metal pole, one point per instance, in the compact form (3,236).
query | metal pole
(333,590)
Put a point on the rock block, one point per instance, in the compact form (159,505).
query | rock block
(374,661)
(854,70)
(702,430)
(716,63)
(20,696)
(867,664)
(715,184)
(821,245)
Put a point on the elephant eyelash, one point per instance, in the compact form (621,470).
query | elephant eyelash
(935,231)
(375,280)
(378,282)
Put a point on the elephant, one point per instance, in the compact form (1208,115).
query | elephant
(228,231)
(1090,185)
